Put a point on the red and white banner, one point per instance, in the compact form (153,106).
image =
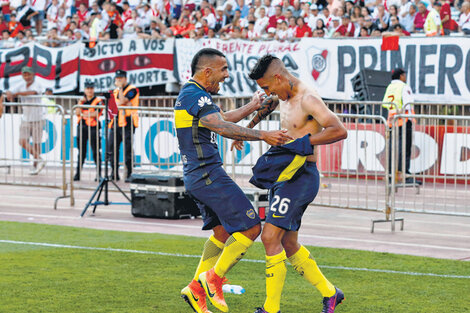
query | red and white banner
(55,68)
(437,150)
(147,62)
(438,68)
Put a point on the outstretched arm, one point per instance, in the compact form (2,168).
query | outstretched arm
(216,123)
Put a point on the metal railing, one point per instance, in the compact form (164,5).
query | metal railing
(439,166)
(355,171)
(33,153)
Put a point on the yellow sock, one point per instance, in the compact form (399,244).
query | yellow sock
(306,266)
(234,250)
(275,277)
(212,250)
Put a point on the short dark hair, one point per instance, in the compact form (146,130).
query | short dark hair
(261,66)
(210,52)
(396,73)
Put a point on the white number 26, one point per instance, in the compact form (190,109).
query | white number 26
(283,204)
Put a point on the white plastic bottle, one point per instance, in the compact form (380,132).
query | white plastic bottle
(235,289)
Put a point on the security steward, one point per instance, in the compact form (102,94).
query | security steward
(123,126)
(88,129)
(398,99)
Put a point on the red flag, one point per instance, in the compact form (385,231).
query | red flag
(112,106)
(390,43)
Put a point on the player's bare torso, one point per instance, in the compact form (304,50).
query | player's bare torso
(296,120)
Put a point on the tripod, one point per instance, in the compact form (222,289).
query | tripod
(103,185)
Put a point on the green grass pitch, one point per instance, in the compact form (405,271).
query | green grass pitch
(52,279)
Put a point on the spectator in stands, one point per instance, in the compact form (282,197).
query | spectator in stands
(349,6)
(407,18)
(448,24)
(221,19)
(327,18)
(24,14)
(251,33)
(302,29)
(464,20)
(433,24)
(396,30)
(393,10)
(355,14)
(346,29)
(13,25)
(82,12)
(5,10)
(262,21)
(40,7)
(185,28)
(319,32)
(53,14)
(33,119)
(20,39)
(296,8)
(369,25)
(382,18)
(281,31)
(335,24)
(420,17)
(3,23)
(7,42)
(273,19)
(313,17)
(242,7)
(364,32)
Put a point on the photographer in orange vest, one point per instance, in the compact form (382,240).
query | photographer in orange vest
(88,128)
(398,99)
(123,126)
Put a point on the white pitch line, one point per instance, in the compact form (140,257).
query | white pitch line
(97,219)
(386,242)
(54,245)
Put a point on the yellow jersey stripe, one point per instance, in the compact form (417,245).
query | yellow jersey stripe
(292,168)
(184,120)
(194,83)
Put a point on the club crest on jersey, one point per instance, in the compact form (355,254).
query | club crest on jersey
(251,214)
(203,101)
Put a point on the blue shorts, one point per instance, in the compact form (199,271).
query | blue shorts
(289,199)
(224,203)
(40,16)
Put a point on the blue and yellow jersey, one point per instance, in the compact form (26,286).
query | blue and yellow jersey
(281,163)
(197,144)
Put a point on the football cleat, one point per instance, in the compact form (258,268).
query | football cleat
(195,296)
(329,304)
(212,284)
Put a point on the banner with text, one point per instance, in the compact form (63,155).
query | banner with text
(241,57)
(55,68)
(147,62)
(438,68)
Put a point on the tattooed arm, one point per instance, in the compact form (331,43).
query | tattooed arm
(269,105)
(216,123)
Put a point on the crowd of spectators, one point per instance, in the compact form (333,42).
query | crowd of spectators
(56,21)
